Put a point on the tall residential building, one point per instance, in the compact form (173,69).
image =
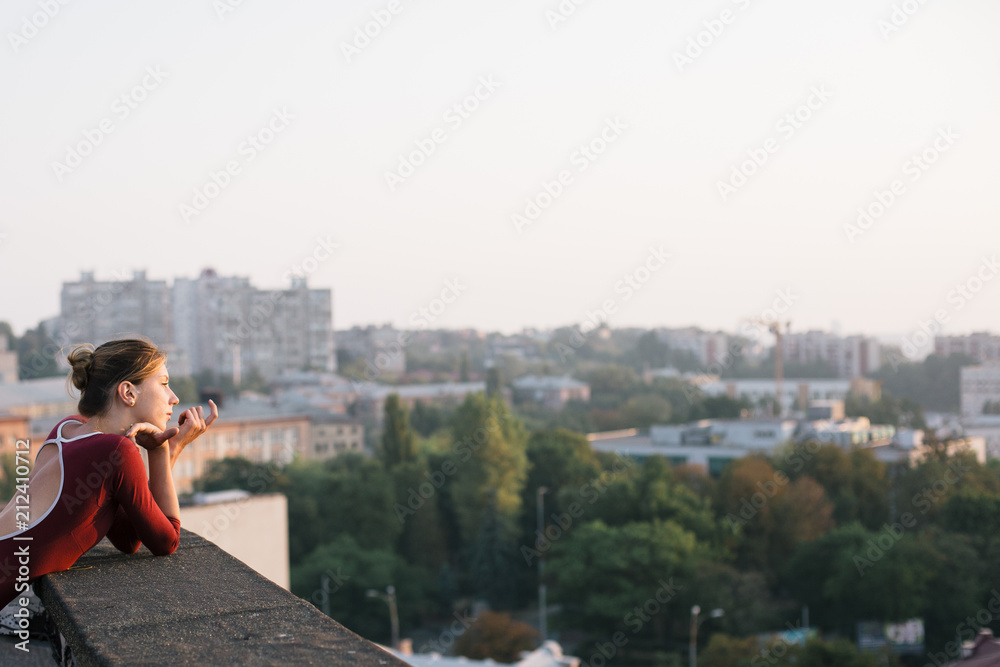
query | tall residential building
(850,357)
(219,324)
(978,386)
(227,326)
(94,311)
(982,346)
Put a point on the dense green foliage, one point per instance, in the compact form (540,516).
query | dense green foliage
(630,546)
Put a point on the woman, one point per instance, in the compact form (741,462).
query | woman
(89,479)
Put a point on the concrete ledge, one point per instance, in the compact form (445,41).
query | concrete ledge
(198,606)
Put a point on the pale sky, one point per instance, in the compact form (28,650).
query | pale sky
(338,122)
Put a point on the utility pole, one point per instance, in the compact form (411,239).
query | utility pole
(542,616)
(390,599)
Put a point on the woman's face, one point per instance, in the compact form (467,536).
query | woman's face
(154,400)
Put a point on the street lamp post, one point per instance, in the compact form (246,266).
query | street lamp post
(542,617)
(389,597)
(695,624)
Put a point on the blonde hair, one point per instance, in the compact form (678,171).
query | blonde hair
(97,372)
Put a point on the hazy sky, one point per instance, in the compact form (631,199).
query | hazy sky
(833,100)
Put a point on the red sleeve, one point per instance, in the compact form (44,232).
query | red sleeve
(160,533)
(122,534)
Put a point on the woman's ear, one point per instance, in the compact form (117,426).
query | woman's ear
(127,392)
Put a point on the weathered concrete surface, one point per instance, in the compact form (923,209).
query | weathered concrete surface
(198,606)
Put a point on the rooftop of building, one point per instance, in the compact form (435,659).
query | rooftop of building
(548,382)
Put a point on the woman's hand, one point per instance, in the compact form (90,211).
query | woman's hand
(192,423)
(149,436)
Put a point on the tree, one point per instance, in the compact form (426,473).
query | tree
(36,355)
(422,540)
(351,571)
(932,383)
(851,574)
(463,367)
(726,651)
(496,636)
(652,352)
(769,513)
(856,482)
(240,473)
(491,456)
(494,382)
(425,419)
(644,410)
(600,573)
(398,444)
(492,560)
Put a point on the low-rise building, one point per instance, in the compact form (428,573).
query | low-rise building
(332,434)
(549,391)
(371,397)
(252,528)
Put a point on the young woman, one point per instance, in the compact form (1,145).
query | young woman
(89,480)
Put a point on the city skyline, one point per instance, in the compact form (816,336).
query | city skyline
(682,164)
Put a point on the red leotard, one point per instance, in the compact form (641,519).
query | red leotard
(104,491)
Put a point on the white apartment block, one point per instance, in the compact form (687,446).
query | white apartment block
(982,346)
(215,323)
(95,311)
(850,357)
(978,385)
(794,391)
(709,348)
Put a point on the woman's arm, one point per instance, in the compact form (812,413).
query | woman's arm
(122,534)
(150,505)
(161,482)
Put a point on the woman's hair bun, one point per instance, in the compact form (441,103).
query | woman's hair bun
(81,358)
